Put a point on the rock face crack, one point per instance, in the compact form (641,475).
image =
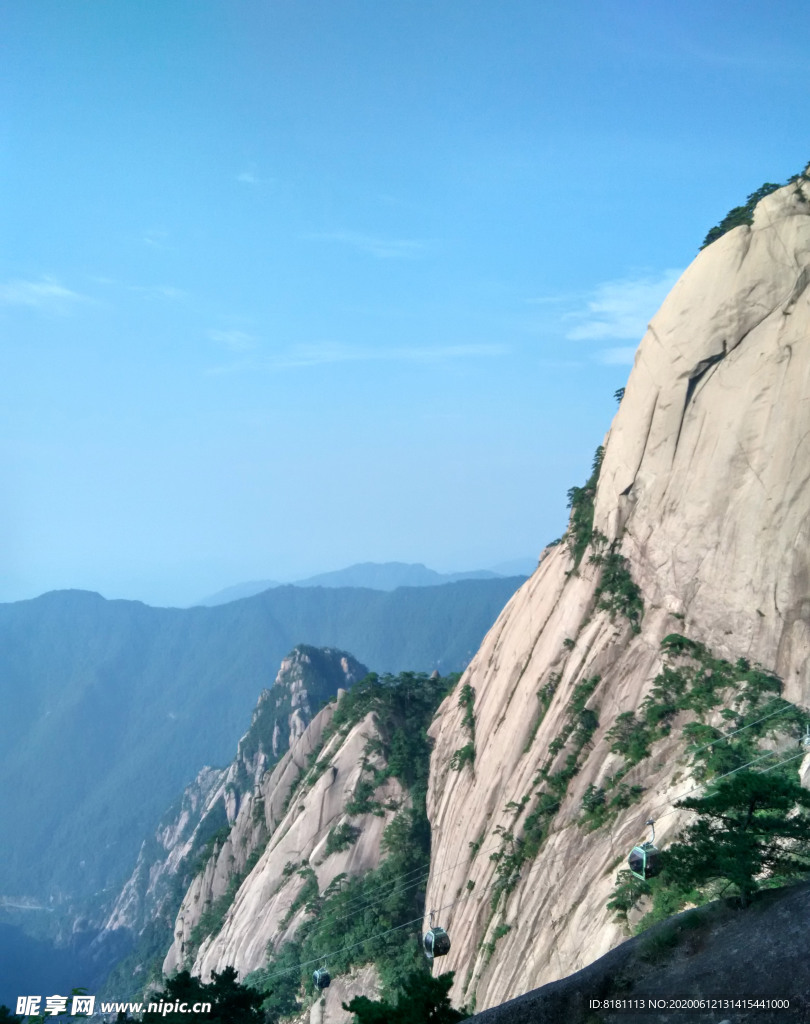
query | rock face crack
(700,372)
(800,285)
(695,378)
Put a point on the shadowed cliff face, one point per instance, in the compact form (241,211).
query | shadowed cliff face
(704,490)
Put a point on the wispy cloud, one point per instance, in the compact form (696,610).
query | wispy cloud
(250,176)
(47,293)
(373,245)
(331,353)
(765,57)
(148,291)
(552,300)
(236,341)
(155,238)
(159,291)
(621,309)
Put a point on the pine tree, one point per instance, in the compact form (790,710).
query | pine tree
(423,999)
(752,828)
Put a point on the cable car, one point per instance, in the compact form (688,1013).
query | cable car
(436,941)
(321,978)
(645,860)
(806,737)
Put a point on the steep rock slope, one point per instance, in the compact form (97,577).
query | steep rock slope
(201,819)
(703,499)
(314,861)
(287,821)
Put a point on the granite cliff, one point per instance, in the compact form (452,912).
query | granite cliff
(196,827)
(313,860)
(698,527)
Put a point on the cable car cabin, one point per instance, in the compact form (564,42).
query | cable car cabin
(321,978)
(437,943)
(645,861)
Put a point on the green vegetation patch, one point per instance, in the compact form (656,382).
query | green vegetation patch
(551,787)
(421,998)
(616,591)
(599,810)
(466,754)
(739,214)
(580,502)
(745,214)
(545,695)
(341,838)
(753,828)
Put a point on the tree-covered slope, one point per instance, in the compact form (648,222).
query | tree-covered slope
(111,707)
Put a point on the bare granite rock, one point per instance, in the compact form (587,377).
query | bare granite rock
(705,488)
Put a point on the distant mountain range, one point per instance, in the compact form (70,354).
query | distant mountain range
(375,576)
(111,707)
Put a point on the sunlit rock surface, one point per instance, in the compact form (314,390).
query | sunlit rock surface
(299,811)
(705,487)
(305,677)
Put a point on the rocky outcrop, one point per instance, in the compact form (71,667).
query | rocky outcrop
(195,830)
(281,834)
(307,678)
(704,490)
(148,888)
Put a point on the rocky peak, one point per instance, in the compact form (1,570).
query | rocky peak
(313,864)
(306,679)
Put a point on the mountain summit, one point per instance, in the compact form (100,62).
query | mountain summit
(374,576)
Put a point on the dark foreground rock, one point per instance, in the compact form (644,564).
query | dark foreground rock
(717,954)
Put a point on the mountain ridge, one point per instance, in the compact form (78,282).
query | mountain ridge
(371,575)
(149,695)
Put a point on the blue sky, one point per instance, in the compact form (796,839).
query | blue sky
(290,285)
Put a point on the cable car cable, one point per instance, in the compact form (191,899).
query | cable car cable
(711,782)
(378,935)
(360,906)
(786,761)
(484,889)
(728,735)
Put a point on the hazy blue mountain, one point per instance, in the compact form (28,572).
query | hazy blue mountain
(237,592)
(111,707)
(36,966)
(376,576)
(515,567)
(389,576)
